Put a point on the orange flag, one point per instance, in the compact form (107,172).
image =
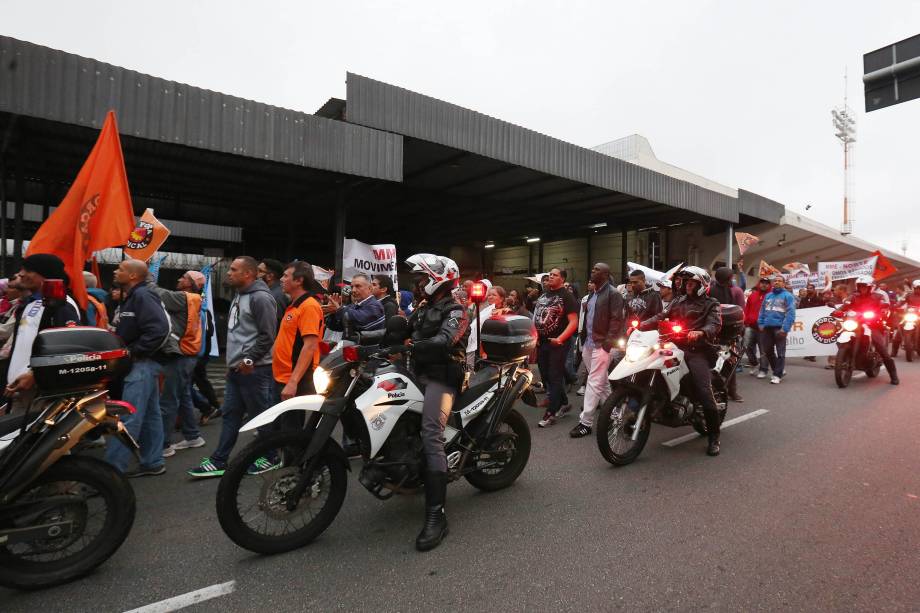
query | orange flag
(95,214)
(146,238)
(94,267)
(766,270)
(883,266)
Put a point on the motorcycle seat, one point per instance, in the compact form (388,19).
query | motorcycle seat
(480,382)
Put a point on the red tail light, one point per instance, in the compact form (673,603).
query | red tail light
(324,348)
(677,328)
(351,354)
(869,315)
(53,289)
(119,407)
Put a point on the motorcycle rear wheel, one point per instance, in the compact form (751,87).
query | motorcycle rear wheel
(519,447)
(616,421)
(250,525)
(90,483)
(843,369)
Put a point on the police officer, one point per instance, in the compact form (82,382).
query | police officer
(867,298)
(439,334)
(700,316)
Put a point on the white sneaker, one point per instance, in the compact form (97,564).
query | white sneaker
(775,380)
(183,444)
(581,391)
(761,374)
(169,452)
(754,370)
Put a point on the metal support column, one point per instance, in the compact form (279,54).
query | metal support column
(729,239)
(3,211)
(20,189)
(623,256)
(540,260)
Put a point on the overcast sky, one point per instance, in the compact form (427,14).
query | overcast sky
(739,92)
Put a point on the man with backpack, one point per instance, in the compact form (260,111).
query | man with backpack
(184,309)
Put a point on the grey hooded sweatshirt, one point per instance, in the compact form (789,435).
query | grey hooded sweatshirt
(252,325)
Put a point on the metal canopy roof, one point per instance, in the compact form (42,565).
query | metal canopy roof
(472,155)
(45,83)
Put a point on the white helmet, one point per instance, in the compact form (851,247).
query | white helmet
(440,270)
(699,275)
(865,280)
(915,283)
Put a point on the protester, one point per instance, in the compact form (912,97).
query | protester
(752,329)
(726,292)
(603,323)
(270,272)
(250,335)
(742,278)
(382,289)
(405,302)
(811,298)
(555,318)
(33,316)
(777,313)
(514,304)
(181,353)
(666,293)
(364,313)
(113,306)
(642,301)
(144,327)
(96,300)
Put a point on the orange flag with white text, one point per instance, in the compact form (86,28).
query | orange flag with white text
(95,214)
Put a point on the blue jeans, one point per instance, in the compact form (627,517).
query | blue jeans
(571,374)
(774,349)
(177,398)
(141,389)
(551,360)
(751,344)
(245,395)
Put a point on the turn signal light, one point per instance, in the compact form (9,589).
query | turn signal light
(351,354)
(324,348)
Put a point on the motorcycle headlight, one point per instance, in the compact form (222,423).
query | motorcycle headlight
(634,353)
(911,317)
(321,380)
(850,325)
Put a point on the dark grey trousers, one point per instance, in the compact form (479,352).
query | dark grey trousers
(439,399)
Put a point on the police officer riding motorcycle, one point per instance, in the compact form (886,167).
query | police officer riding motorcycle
(904,321)
(439,333)
(868,298)
(699,314)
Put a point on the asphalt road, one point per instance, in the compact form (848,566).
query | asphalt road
(814,505)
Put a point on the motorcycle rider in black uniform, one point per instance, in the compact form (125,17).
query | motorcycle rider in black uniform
(867,298)
(913,298)
(440,331)
(699,314)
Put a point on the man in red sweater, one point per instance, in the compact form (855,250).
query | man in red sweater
(751,332)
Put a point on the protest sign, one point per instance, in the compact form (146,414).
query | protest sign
(831,272)
(146,238)
(371,260)
(765,270)
(814,333)
(800,281)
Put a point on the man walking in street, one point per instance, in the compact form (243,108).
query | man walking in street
(752,330)
(603,323)
(295,353)
(270,272)
(556,319)
(777,313)
(144,327)
(725,291)
(251,327)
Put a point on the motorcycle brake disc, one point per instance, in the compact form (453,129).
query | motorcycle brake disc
(275,488)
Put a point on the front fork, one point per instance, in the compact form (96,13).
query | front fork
(646,400)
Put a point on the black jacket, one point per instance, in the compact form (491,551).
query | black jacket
(142,324)
(609,312)
(644,305)
(694,313)
(440,332)
(390,306)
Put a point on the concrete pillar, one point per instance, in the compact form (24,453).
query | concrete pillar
(729,239)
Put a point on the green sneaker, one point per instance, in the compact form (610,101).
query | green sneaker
(262,465)
(208,468)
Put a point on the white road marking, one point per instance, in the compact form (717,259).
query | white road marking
(725,424)
(186,600)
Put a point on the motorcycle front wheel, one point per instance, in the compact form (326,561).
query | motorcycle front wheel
(843,368)
(495,476)
(616,422)
(252,502)
(91,499)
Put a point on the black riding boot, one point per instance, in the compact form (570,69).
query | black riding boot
(435,528)
(712,429)
(892,371)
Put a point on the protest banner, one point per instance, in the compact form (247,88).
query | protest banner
(147,238)
(800,281)
(322,275)
(814,333)
(371,260)
(652,276)
(746,241)
(831,272)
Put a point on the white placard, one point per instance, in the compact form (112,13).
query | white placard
(371,260)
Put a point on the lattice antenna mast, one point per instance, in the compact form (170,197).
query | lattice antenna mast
(844,120)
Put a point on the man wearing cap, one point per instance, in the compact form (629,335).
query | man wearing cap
(752,331)
(33,316)
(176,396)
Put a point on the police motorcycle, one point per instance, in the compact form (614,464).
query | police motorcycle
(855,350)
(378,402)
(652,384)
(62,514)
(905,335)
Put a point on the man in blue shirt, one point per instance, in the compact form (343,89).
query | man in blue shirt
(777,314)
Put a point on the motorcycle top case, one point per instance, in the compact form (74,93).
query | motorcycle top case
(508,338)
(75,358)
(732,322)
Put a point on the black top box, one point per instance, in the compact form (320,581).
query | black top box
(508,338)
(65,359)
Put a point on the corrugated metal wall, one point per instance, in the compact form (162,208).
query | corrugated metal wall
(760,207)
(386,107)
(42,82)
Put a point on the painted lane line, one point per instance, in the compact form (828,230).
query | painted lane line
(186,600)
(725,424)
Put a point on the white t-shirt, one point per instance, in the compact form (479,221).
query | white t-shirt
(25,336)
(484,314)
